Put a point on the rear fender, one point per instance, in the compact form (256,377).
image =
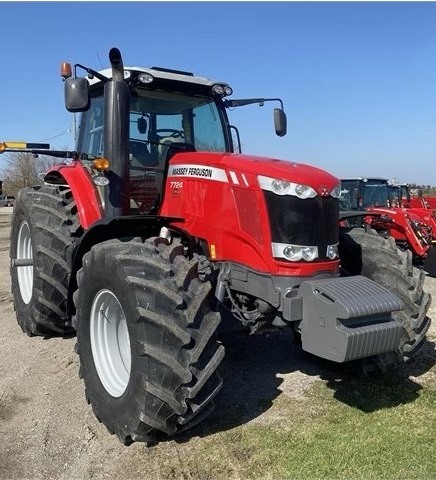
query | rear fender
(83,189)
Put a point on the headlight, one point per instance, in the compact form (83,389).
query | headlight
(309,253)
(335,193)
(284,187)
(290,252)
(301,190)
(100,180)
(280,186)
(332,251)
(145,78)
(294,253)
(221,90)
(218,89)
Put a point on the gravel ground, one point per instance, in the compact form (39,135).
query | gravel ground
(49,432)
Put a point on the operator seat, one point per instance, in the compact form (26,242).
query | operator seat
(140,155)
(178,147)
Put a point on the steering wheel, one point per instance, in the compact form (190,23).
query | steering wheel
(173,133)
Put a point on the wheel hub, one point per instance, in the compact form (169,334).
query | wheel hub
(110,342)
(24,251)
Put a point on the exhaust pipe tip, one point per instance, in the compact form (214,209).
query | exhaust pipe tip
(117,65)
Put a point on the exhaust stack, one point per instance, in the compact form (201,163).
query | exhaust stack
(116,138)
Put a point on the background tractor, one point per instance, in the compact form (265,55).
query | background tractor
(414,198)
(378,203)
(154,230)
(421,207)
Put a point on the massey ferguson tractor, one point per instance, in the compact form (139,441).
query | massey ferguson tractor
(153,230)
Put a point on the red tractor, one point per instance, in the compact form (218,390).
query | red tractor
(407,199)
(377,203)
(156,229)
(413,197)
(420,207)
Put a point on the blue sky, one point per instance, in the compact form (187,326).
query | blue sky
(358,80)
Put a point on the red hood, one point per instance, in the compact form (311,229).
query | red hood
(269,167)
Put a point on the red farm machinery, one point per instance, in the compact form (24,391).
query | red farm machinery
(414,198)
(408,197)
(154,229)
(378,203)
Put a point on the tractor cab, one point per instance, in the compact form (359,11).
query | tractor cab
(168,112)
(159,113)
(361,193)
(163,119)
(400,195)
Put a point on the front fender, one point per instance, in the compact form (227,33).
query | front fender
(83,189)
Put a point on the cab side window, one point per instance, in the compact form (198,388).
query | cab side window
(91,129)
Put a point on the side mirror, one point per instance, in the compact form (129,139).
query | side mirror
(280,122)
(77,96)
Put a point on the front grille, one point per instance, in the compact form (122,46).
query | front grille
(311,222)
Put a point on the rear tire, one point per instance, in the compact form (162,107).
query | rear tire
(44,227)
(367,253)
(146,301)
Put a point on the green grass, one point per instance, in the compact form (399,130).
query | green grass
(368,429)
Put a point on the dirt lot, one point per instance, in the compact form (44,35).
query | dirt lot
(48,431)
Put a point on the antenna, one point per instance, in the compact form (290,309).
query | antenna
(99,59)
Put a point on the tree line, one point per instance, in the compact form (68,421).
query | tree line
(427,190)
(23,169)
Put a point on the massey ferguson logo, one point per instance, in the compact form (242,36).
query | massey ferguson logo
(323,190)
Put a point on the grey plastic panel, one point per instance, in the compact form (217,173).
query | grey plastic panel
(348,318)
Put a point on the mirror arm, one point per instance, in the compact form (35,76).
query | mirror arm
(90,71)
(276,100)
(248,101)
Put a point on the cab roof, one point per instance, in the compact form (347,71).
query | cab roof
(162,73)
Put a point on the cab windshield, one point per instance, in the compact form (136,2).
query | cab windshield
(360,194)
(160,119)
(376,194)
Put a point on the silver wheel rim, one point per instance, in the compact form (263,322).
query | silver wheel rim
(110,342)
(24,251)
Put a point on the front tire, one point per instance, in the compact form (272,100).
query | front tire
(367,253)
(146,339)
(44,227)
